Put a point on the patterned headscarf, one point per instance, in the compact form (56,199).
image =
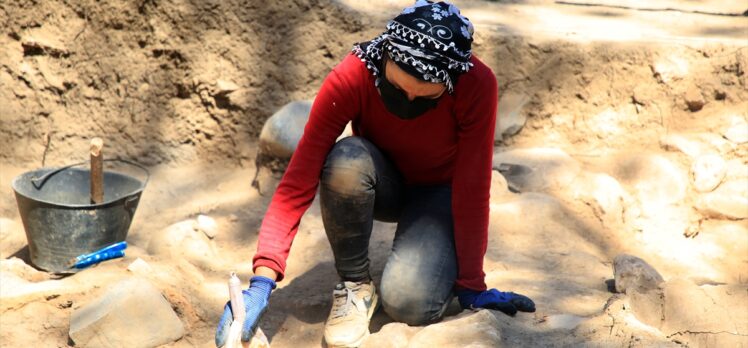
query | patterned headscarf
(430,41)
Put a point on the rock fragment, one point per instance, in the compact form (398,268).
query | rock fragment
(737,131)
(707,172)
(669,69)
(604,194)
(282,131)
(479,329)
(43,45)
(132,313)
(181,240)
(729,200)
(633,273)
(536,169)
(392,335)
(694,100)
(695,144)
(224,87)
(509,118)
(139,266)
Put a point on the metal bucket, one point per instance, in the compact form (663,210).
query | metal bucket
(60,220)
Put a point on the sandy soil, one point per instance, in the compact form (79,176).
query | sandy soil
(184,87)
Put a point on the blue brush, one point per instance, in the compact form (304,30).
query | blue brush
(107,253)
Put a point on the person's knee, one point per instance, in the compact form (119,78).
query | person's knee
(410,300)
(349,168)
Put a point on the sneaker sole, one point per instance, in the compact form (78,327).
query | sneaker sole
(357,343)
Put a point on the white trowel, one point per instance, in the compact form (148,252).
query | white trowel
(237,307)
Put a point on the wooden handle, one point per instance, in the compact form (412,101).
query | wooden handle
(97,171)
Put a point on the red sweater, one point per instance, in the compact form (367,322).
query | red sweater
(452,143)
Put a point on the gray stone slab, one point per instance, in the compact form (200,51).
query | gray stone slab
(132,313)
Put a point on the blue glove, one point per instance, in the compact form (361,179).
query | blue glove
(255,303)
(507,302)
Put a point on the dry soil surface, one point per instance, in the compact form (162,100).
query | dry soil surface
(613,109)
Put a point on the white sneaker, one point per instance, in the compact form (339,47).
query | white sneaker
(353,305)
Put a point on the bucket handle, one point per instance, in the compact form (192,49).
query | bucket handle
(38,182)
(129,204)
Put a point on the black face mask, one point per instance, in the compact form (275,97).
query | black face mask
(396,101)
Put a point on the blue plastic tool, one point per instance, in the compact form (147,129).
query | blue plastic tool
(107,253)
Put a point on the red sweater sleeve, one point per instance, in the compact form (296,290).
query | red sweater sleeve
(335,105)
(471,182)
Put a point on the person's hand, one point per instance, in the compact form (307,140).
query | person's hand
(507,302)
(255,303)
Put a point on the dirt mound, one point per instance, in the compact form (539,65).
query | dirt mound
(152,76)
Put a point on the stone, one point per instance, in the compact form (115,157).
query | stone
(225,87)
(132,313)
(633,273)
(509,117)
(208,225)
(181,240)
(720,94)
(694,100)
(696,144)
(736,169)
(707,172)
(737,131)
(242,99)
(729,200)
(479,329)
(604,194)
(43,44)
(669,69)
(536,169)
(684,144)
(283,130)
(392,335)
(139,266)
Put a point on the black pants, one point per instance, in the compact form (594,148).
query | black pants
(359,184)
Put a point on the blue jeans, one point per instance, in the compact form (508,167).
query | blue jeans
(359,184)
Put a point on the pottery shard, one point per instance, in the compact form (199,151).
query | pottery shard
(633,273)
(132,313)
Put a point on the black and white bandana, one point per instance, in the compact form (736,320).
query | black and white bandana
(430,41)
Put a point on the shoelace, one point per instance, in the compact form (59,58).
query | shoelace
(342,310)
